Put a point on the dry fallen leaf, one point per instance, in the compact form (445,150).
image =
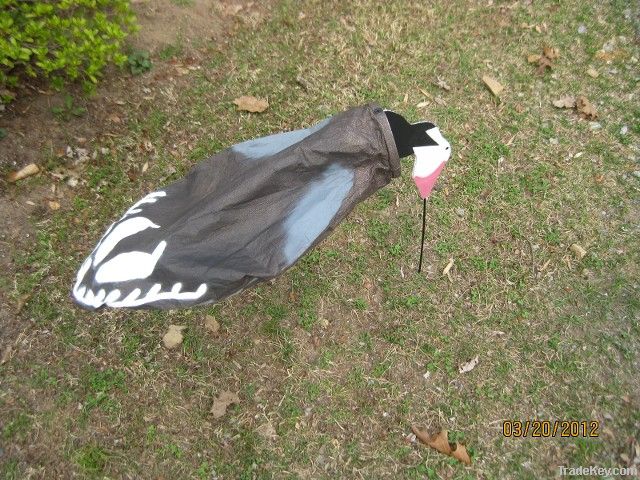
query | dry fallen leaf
(543,64)
(608,56)
(550,52)
(132,173)
(443,85)
(251,104)
(448,267)
(534,58)
(544,61)
(578,251)
(493,85)
(440,442)
(221,403)
(6,354)
(53,205)
(584,107)
(468,366)
(25,172)
(211,324)
(173,337)
(592,72)
(581,104)
(565,102)
(460,453)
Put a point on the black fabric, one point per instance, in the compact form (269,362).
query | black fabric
(240,217)
(407,135)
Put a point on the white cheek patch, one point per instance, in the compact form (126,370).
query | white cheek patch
(430,157)
(130,266)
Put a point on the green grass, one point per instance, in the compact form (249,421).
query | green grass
(101,388)
(91,459)
(333,354)
(18,427)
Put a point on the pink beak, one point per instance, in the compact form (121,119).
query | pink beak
(426,184)
(430,160)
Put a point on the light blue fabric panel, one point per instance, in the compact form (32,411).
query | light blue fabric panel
(316,209)
(265,146)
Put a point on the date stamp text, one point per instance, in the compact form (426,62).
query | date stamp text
(550,428)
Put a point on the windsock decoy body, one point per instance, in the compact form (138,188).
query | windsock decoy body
(248,213)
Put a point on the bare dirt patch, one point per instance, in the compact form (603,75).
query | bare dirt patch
(165,22)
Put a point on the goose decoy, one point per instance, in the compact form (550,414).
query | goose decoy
(248,213)
(432,151)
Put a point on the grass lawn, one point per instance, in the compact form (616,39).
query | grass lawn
(330,359)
